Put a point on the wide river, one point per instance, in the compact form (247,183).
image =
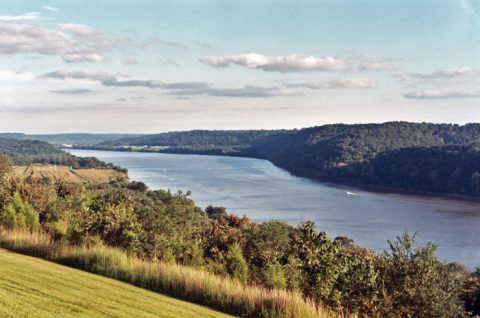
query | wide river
(262,191)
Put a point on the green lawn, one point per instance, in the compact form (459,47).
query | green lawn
(31,287)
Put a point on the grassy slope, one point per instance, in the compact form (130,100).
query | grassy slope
(31,287)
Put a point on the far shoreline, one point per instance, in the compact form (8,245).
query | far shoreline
(362,187)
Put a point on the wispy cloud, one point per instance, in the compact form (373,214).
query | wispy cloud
(19,18)
(376,64)
(283,64)
(62,75)
(164,43)
(49,8)
(441,74)
(73,91)
(248,91)
(436,94)
(174,88)
(356,83)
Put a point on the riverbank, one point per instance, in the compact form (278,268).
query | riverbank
(297,172)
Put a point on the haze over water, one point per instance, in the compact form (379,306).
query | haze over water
(260,190)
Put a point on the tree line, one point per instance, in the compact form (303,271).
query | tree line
(430,156)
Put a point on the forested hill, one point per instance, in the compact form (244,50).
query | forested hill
(25,152)
(431,157)
(72,138)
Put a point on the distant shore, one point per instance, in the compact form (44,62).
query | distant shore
(365,187)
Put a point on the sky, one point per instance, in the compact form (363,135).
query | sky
(150,66)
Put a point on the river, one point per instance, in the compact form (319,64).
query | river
(262,191)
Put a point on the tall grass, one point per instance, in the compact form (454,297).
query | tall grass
(187,283)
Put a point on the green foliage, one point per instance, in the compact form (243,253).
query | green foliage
(236,265)
(415,283)
(20,215)
(169,227)
(25,152)
(275,276)
(8,217)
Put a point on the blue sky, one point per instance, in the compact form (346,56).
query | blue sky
(151,66)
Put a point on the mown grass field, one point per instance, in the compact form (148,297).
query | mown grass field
(31,287)
(76,175)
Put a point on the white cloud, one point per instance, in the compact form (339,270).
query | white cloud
(23,17)
(355,83)
(49,8)
(78,29)
(73,42)
(436,94)
(290,63)
(83,57)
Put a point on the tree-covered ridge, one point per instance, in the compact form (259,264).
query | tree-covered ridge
(200,138)
(349,154)
(70,138)
(25,152)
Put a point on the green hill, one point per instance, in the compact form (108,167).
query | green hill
(347,154)
(31,287)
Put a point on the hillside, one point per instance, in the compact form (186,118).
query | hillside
(347,154)
(72,138)
(26,152)
(31,287)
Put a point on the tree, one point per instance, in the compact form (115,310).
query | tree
(18,214)
(415,283)
(237,267)
(8,217)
